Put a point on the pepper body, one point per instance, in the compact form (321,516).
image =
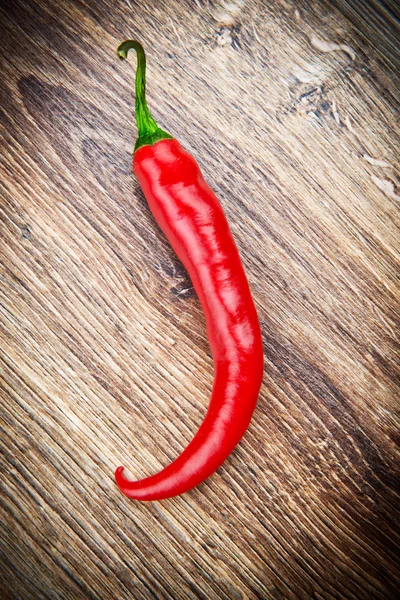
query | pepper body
(192,219)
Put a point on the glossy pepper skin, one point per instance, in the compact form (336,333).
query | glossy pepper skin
(193,221)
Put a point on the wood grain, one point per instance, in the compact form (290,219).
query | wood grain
(293,117)
(378,22)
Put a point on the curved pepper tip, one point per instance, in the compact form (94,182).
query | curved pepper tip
(121,480)
(118,474)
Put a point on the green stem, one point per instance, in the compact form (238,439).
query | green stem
(148,130)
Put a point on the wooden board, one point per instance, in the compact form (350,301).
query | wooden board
(293,117)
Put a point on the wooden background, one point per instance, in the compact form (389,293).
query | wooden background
(293,117)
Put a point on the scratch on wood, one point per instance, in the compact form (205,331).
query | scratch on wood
(325,46)
(376,161)
(387,186)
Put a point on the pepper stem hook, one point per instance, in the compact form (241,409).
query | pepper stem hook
(148,130)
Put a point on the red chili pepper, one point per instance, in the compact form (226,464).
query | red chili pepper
(192,219)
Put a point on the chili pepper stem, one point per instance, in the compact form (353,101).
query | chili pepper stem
(148,130)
